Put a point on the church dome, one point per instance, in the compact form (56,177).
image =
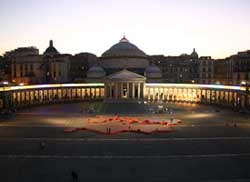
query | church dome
(194,54)
(124,49)
(96,71)
(51,50)
(153,71)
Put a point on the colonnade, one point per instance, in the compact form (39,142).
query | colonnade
(234,98)
(22,96)
(117,91)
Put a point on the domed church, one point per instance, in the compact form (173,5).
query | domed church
(124,55)
(124,69)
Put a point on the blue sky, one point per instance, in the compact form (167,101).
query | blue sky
(216,27)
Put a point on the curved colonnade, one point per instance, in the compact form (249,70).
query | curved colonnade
(28,95)
(225,95)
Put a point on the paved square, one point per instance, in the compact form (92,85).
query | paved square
(210,144)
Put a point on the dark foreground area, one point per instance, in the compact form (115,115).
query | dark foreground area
(207,147)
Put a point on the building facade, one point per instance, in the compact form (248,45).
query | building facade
(124,73)
(206,70)
(26,66)
(240,67)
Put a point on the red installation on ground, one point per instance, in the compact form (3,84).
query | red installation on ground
(161,126)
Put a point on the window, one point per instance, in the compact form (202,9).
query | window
(31,68)
(21,70)
(246,76)
(14,70)
(25,69)
(238,76)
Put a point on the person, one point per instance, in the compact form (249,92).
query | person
(74,176)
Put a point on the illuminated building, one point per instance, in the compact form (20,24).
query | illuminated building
(118,89)
(124,73)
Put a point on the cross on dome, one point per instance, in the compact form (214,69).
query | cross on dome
(124,39)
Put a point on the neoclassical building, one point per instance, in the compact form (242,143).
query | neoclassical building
(124,55)
(124,86)
(124,69)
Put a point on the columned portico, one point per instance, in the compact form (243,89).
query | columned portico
(126,87)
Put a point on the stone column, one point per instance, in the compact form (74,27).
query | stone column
(222,96)
(163,93)
(128,90)
(121,90)
(152,90)
(199,94)
(211,96)
(116,90)
(228,98)
(133,90)
(110,90)
(139,90)
(206,99)
(105,90)
(216,97)
(219,98)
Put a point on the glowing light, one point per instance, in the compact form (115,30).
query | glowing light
(243,83)
(161,85)
(24,87)
(212,86)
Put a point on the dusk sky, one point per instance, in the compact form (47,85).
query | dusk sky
(217,28)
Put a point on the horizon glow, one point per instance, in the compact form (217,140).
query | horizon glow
(217,28)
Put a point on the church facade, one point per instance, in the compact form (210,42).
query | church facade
(124,69)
